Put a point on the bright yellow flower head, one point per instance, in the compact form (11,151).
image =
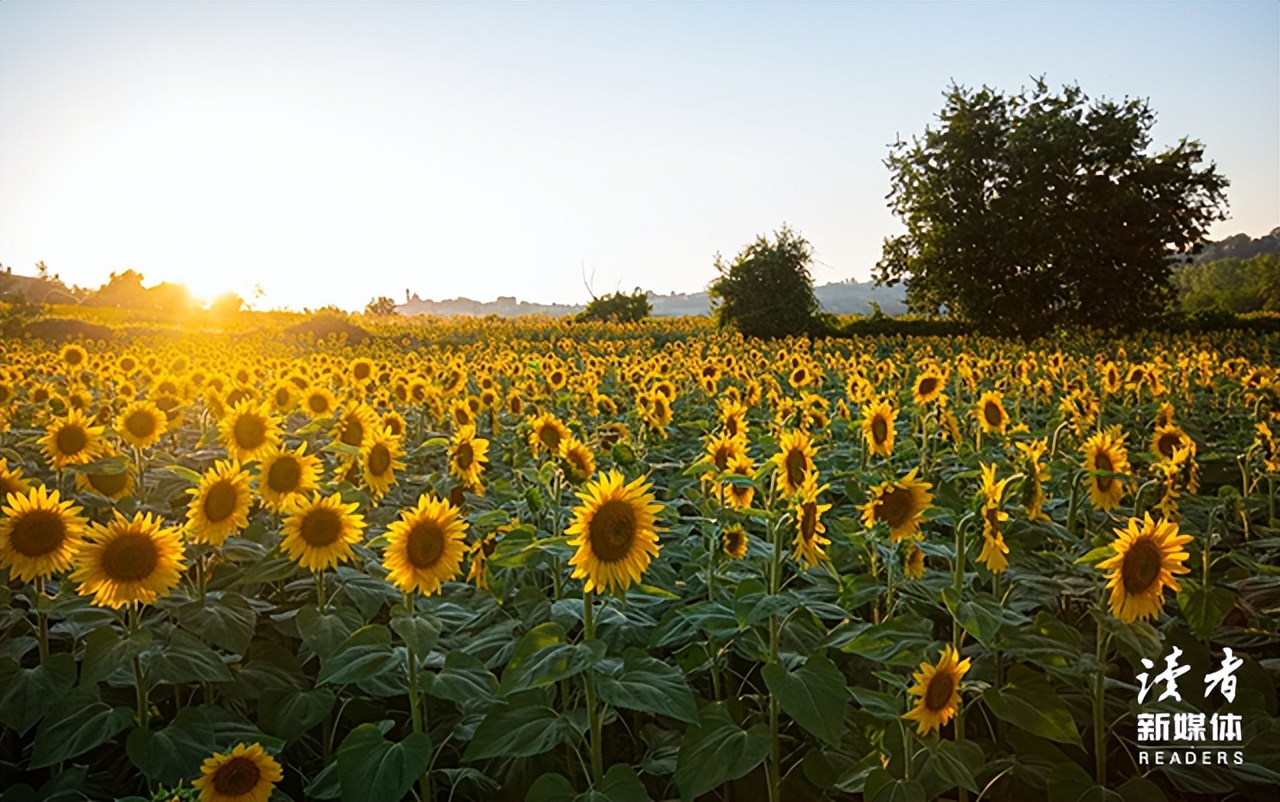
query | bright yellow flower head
(614,532)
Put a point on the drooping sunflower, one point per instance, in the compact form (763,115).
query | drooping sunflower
(547,433)
(721,449)
(220,506)
(245,774)
(11,480)
(284,476)
(614,533)
(809,538)
(1147,555)
(733,542)
(794,460)
(1035,474)
(877,427)
(991,414)
(993,545)
(898,504)
(129,560)
(249,431)
(1167,440)
(381,461)
(114,486)
(72,440)
(1105,452)
(318,532)
(938,687)
(141,424)
(579,460)
(426,546)
(39,534)
(467,457)
(913,562)
(477,572)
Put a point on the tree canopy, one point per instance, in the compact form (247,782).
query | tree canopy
(618,307)
(1030,211)
(767,290)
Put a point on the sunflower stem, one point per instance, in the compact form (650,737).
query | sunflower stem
(42,620)
(139,682)
(775,751)
(320,591)
(594,716)
(416,715)
(957,633)
(1099,721)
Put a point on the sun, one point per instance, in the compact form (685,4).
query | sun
(129,560)
(938,687)
(614,533)
(39,534)
(426,546)
(1147,555)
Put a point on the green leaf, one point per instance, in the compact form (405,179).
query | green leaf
(1030,702)
(419,634)
(105,652)
(543,658)
(551,787)
(184,659)
(174,753)
(186,473)
(881,786)
(752,605)
(291,714)
(365,654)
(884,706)
(898,641)
(815,696)
(226,621)
(649,685)
(373,769)
(520,732)
(621,784)
(27,694)
(463,679)
(957,763)
(76,724)
(1205,608)
(1067,782)
(716,751)
(323,632)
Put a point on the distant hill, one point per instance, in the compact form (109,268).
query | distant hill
(1238,246)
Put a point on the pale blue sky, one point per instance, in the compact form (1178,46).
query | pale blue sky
(338,151)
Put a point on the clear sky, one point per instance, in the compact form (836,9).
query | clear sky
(334,152)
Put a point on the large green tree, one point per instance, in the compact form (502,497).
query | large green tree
(1030,211)
(767,291)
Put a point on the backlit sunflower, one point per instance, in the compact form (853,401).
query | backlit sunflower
(938,687)
(733,542)
(1105,452)
(73,356)
(381,461)
(356,426)
(794,460)
(141,424)
(284,476)
(72,440)
(613,531)
(249,431)
(11,480)
(990,413)
(426,546)
(809,538)
(318,402)
(547,434)
(1147,555)
(129,561)
(221,504)
(39,534)
(245,774)
(898,504)
(877,427)
(318,532)
(578,459)
(467,457)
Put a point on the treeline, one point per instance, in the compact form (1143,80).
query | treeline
(1231,285)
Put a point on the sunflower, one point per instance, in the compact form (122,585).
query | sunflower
(114,486)
(141,424)
(809,527)
(733,417)
(579,459)
(1167,440)
(733,542)
(249,431)
(287,475)
(73,356)
(285,397)
(467,457)
(318,402)
(735,494)
(928,388)
(381,461)
(426,546)
(722,449)
(877,427)
(794,460)
(1034,476)
(356,427)
(39,534)
(1104,452)
(220,506)
(72,440)
(318,533)
(913,562)
(1147,555)
(898,504)
(990,413)
(547,433)
(938,687)
(613,531)
(11,480)
(129,561)
(480,554)
(245,774)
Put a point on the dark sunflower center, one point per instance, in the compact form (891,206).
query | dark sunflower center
(928,385)
(220,502)
(72,439)
(37,532)
(108,484)
(321,527)
(282,396)
(464,456)
(140,424)
(1141,566)
(895,507)
(250,432)
(285,475)
(425,544)
(1167,443)
(808,520)
(795,463)
(992,515)
(731,426)
(937,694)
(721,457)
(379,459)
(991,413)
(237,777)
(130,557)
(318,403)
(74,357)
(1102,462)
(550,437)
(879,429)
(353,432)
(612,531)
(735,541)
(362,371)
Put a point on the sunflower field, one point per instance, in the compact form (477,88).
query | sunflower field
(543,560)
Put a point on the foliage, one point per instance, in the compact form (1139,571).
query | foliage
(380,306)
(617,308)
(1030,211)
(125,290)
(1235,285)
(767,290)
